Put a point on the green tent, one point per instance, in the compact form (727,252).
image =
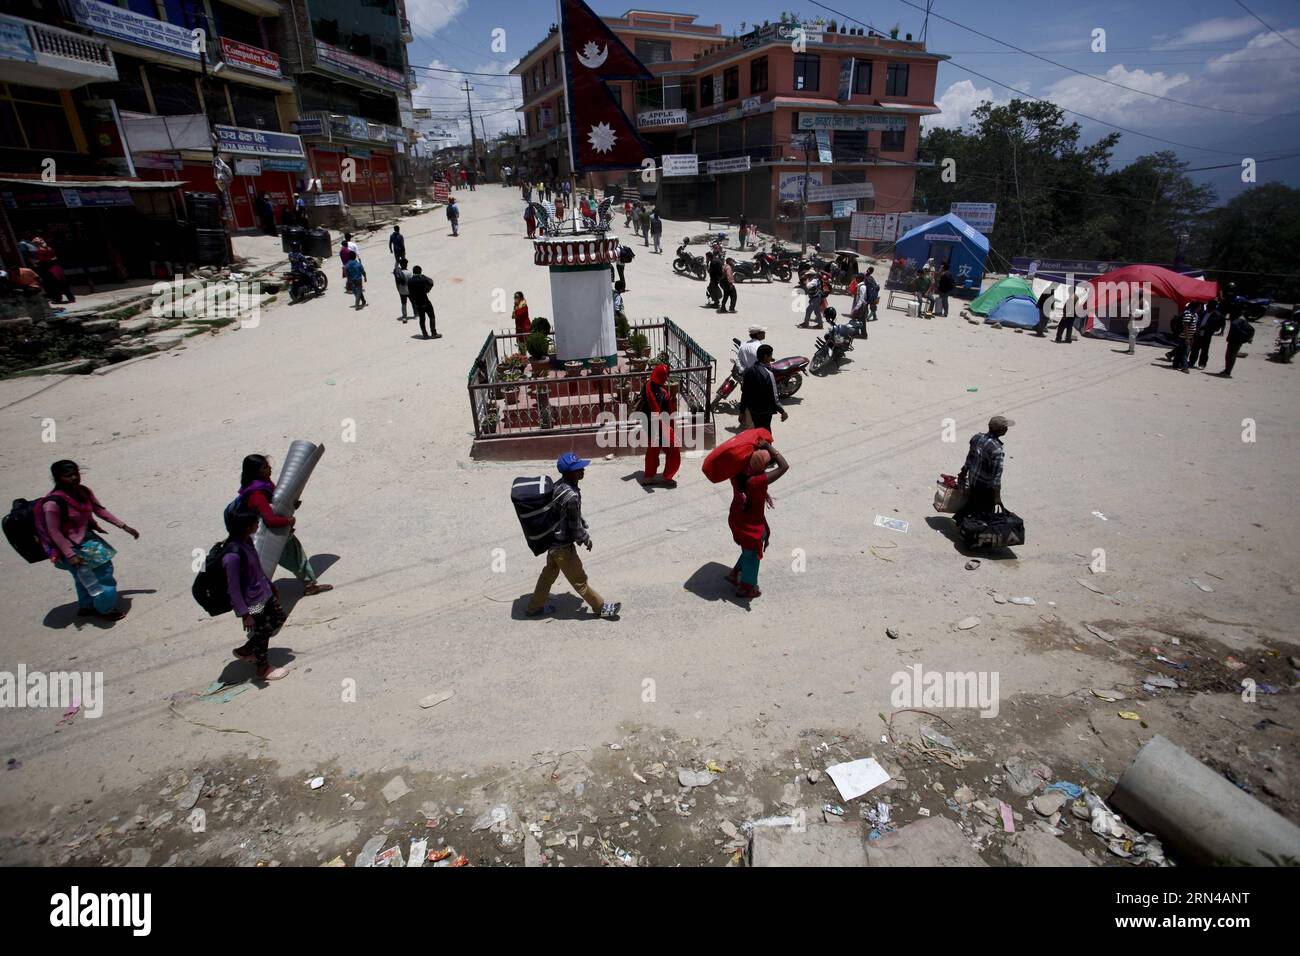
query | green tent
(991,297)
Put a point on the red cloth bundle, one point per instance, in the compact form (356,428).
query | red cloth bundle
(731,458)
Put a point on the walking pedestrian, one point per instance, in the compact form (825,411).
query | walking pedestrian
(1137,321)
(1240,332)
(53,278)
(815,290)
(660,406)
(747,517)
(356,279)
(453,216)
(656,230)
(256,490)
(266,215)
(714,289)
(981,475)
(1065,327)
(397,243)
(400,278)
(625,256)
(571,531)
(627,213)
(758,392)
(253,597)
(743,231)
(67,528)
(1212,323)
(1188,329)
(346,246)
(473,179)
(946,284)
(530,220)
(728,286)
(644,222)
(418,287)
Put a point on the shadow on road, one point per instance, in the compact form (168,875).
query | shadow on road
(65,615)
(948,528)
(709,583)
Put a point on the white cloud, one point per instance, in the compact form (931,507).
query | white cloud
(1209,31)
(494,97)
(1086,95)
(958,102)
(429,16)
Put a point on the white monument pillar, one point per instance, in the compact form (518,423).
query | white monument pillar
(582,302)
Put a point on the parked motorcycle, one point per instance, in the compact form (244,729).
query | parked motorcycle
(837,342)
(307,282)
(1284,348)
(788,373)
(687,264)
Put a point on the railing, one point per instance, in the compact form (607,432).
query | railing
(72,46)
(541,397)
(786,152)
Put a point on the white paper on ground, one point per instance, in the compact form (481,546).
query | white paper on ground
(857,777)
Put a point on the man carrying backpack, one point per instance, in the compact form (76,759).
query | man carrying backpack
(571,531)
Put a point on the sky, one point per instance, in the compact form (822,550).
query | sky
(1234,77)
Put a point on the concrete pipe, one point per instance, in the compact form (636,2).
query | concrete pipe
(1198,813)
(297,468)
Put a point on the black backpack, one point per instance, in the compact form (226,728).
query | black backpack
(209,588)
(20,528)
(625,254)
(534,501)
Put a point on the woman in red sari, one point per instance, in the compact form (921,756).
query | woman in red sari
(660,407)
(747,520)
(523,324)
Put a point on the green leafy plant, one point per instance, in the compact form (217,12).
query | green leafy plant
(542,324)
(538,344)
(621,325)
(638,343)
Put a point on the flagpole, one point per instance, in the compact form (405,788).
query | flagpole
(573,153)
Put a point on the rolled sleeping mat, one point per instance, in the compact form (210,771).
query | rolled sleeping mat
(1198,813)
(299,462)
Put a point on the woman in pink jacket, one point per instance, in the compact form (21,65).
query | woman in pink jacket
(68,516)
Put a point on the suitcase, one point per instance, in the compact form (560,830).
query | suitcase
(949,497)
(997,529)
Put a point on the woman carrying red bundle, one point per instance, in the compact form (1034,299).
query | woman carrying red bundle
(747,520)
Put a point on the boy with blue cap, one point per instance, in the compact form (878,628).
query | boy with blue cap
(570,531)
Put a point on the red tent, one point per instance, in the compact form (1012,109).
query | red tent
(1112,294)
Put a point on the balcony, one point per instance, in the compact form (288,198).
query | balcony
(407,35)
(55,59)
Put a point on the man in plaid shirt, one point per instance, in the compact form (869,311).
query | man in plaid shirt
(982,473)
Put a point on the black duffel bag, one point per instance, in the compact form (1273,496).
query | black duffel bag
(995,529)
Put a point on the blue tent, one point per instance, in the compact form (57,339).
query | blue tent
(947,239)
(1017,311)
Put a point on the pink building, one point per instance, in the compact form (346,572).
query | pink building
(756,111)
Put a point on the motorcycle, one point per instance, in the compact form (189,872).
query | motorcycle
(763,266)
(1286,345)
(307,282)
(788,373)
(687,264)
(838,341)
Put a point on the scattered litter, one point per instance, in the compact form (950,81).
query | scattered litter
(770,822)
(1232,664)
(893,524)
(1098,632)
(1024,601)
(972,564)
(190,795)
(390,857)
(887,544)
(1023,777)
(1175,641)
(419,850)
(337,861)
(857,777)
(891,633)
(1155,680)
(367,855)
(676,529)
(1071,790)
(922,811)
(966,623)
(694,778)
(615,746)
(833,809)
(13,763)
(491,818)
(714,767)
(438,856)
(436,698)
(998,597)
(1098,514)
(975,389)
(394,790)
(316,782)
(1008,821)
(1129,715)
(1110,696)
(71,712)
(1164,660)
(1091,587)
(938,739)
(1203,587)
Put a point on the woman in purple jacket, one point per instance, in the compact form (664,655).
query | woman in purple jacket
(252,595)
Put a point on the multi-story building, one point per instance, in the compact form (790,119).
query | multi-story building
(757,111)
(354,94)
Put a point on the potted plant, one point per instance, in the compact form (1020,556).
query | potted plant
(490,419)
(598,365)
(538,346)
(638,345)
(622,389)
(621,330)
(573,368)
(674,386)
(542,324)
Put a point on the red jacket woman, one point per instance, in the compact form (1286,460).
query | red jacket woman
(747,518)
(660,407)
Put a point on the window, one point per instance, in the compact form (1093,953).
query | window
(851,144)
(893,140)
(40,113)
(688,95)
(758,75)
(896,79)
(523,83)
(254,107)
(649,95)
(128,91)
(807,71)
(235,24)
(706,92)
(654,51)
(174,93)
(731,83)
(528,123)
(546,74)
(536,85)
(862,76)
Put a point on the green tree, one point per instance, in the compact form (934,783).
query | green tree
(1155,203)
(1258,231)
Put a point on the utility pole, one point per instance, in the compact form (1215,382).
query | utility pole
(473,140)
(808,139)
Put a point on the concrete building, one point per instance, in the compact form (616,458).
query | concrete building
(755,111)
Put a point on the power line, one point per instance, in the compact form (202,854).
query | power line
(1261,20)
(1064,66)
(1093,119)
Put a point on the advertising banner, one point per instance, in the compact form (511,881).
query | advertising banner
(684,164)
(254,59)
